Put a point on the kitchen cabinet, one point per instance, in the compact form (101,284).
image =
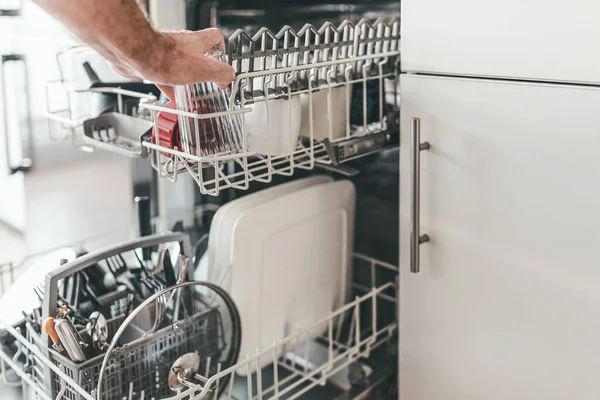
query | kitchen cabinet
(542,40)
(14,128)
(507,301)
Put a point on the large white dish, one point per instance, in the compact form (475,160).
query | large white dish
(323,120)
(224,221)
(275,132)
(290,263)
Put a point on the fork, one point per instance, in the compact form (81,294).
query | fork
(62,304)
(118,267)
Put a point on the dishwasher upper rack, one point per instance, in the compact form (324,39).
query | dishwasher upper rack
(360,45)
(340,82)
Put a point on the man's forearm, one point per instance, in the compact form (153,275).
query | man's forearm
(117,29)
(120,31)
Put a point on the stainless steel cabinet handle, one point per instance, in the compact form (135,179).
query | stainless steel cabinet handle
(25,137)
(11,12)
(415,171)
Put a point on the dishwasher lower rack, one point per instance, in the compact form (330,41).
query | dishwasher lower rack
(351,334)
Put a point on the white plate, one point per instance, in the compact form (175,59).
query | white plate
(291,264)
(321,115)
(275,132)
(225,218)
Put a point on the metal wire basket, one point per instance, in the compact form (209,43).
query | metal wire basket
(351,333)
(318,96)
(137,369)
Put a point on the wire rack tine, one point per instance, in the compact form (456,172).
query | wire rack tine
(277,67)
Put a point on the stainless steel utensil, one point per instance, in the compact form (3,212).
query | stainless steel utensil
(118,133)
(183,370)
(97,329)
(70,339)
(161,302)
(182,268)
(123,275)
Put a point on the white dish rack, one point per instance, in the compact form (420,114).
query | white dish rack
(66,121)
(297,372)
(69,100)
(354,63)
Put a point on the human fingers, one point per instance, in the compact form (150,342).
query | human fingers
(213,37)
(200,69)
(203,41)
(222,75)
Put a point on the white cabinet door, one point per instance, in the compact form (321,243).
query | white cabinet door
(507,303)
(529,39)
(12,186)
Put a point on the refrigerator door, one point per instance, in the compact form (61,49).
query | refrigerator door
(542,40)
(507,302)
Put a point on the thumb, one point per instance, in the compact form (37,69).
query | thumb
(211,70)
(213,37)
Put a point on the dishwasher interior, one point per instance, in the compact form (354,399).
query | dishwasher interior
(294,170)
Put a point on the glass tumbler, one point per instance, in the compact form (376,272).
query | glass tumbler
(205,137)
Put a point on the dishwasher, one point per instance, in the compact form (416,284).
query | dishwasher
(283,283)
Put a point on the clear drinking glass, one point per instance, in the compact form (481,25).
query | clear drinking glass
(207,136)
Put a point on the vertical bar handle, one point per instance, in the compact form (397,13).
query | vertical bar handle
(415,171)
(25,163)
(11,12)
(144,214)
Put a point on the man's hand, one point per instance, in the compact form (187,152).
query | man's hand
(119,30)
(182,59)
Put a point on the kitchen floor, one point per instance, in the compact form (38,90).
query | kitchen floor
(86,200)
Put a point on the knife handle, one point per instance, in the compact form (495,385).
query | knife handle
(50,330)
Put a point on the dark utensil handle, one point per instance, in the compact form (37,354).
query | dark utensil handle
(91,74)
(169,270)
(135,282)
(144,222)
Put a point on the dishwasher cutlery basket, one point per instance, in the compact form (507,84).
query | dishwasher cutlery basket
(142,363)
(140,360)
(210,329)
